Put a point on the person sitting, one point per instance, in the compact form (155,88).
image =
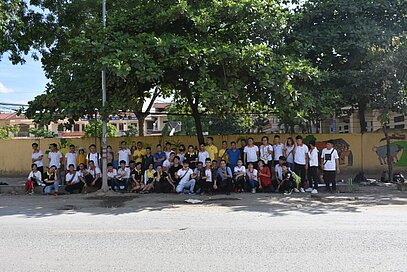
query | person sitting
(168,162)
(173,170)
(34,179)
(278,172)
(239,176)
(187,179)
(136,178)
(287,184)
(92,176)
(73,183)
(252,178)
(148,179)
(264,177)
(208,176)
(161,182)
(51,181)
(224,178)
(111,176)
(198,177)
(123,176)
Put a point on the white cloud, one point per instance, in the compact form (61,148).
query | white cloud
(4,89)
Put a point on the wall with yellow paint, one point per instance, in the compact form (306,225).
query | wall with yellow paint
(358,152)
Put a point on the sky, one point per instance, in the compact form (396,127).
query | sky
(20,83)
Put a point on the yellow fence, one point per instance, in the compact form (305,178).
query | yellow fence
(358,152)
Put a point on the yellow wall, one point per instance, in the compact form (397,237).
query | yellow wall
(15,157)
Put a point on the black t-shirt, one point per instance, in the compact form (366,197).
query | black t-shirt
(191,158)
(163,177)
(146,161)
(137,174)
(174,169)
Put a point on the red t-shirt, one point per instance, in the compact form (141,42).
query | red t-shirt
(265,181)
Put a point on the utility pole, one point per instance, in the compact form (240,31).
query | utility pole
(104,118)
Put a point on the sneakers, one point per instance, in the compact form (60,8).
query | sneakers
(288,193)
(253,190)
(314,191)
(302,190)
(296,190)
(309,190)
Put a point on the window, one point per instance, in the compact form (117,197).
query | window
(346,127)
(399,126)
(340,127)
(121,127)
(76,127)
(399,119)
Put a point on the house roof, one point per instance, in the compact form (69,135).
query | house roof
(161,105)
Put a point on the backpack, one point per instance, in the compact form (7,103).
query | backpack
(296,178)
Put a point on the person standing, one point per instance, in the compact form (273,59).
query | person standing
(93,156)
(181,153)
(139,152)
(243,143)
(301,161)
(212,150)
(70,157)
(234,155)
(203,154)
(147,160)
(266,152)
(81,158)
(278,149)
(313,168)
(223,152)
(251,153)
(159,156)
(289,152)
(124,153)
(55,159)
(191,157)
(330,165)
(37,157)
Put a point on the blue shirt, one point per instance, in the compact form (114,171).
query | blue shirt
(158,156)
(234,156)
(222,171)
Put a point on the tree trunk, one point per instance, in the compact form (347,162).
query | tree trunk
(362,118)
(389,158)
(141,118)
(196,115)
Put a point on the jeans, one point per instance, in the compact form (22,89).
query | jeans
(251,183)
(121,183)
(190,184)
(299,169)
(313,177)
(51,187)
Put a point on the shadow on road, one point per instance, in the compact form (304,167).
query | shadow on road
(37,206)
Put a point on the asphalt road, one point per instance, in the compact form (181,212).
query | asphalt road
(239,233)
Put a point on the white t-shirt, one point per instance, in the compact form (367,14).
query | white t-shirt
(124,173)
(70,159)
(279,172)
(252,175)
(289,153)
(168,153)
(185,174)
(202,156)
(278,151)
(112,174)
(35,156)
(264,153)
(301,154)
(208,174)
(313,157)
(36,175)
(329,158)
(124,155)
(95,157)
(95,172)
(240,169)
(251,153)
(181,157)
(167,164)
(69,176)
(55,159)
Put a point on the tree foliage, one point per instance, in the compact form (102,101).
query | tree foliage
(94,130)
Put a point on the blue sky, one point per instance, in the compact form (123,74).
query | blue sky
(20,83)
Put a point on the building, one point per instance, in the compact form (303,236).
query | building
(153,123)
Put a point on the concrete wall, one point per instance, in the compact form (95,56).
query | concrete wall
(358,152)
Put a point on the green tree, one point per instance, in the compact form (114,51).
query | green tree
(94,130)
(41,133)
(337,36)
(6,131)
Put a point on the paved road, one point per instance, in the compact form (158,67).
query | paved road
(241,233)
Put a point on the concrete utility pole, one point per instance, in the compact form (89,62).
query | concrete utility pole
(104,119)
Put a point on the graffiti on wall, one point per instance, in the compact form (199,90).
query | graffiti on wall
(398,146)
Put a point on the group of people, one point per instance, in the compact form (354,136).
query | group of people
(278,167)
